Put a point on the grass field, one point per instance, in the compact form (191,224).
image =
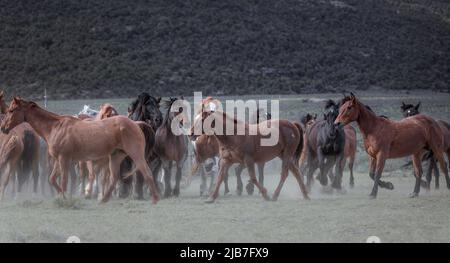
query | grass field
(338,217)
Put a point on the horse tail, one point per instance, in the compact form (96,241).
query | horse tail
(299,149)
(29,150)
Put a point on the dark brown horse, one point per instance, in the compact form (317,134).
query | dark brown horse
(387,139)
(171,148)
(247,149)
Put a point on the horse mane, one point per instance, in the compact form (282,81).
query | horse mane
(167,105)
(330,103)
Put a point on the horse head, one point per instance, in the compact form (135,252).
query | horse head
(16,114)
(106,111)
(349,110)
(332,107)
(146,108)
(409,110)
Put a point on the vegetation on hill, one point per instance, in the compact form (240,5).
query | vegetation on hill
(117,48)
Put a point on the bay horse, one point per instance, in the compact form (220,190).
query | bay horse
(115,138)
(247,149)
(144,109)
(171,148)
(409,110)
(387,139)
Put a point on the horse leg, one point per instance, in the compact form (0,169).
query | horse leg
(379,166)
(240,185)
(436,174)
(429,172)
(53,177)
(350,168)
(64,170)
(73,178)
(156,167)
(372,170)
(223,171)
(417,163)
(284,174)
(35,171)
(339,170)
(91,178)
(322,162)
(203,178)
(167,179)
(176,190)
(313,165)
(225,182)
(251,171)
(115,161)
(296,172)
(5,179)
(261,173)
(440,158)
(142,166)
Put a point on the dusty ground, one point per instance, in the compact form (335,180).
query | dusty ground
(349,217)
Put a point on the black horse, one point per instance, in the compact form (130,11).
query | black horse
(325,148)
(146,109)
(409,110)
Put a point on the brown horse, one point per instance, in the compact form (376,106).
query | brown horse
(247,149)
(171,149)
(97,167)
(28,161)
(11,148)
(114,137)
(387,139)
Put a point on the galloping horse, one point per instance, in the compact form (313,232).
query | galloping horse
(171,149)
(247,149)
(144,109)
(409,110)
(350,140)
(387,139)
(114,137)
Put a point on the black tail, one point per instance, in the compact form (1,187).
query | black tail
(299,150)
(28,154)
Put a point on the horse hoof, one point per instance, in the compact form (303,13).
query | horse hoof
(274,199)
(176,192)
(250,189)
(327,190)
(372,196)
(239,192)
(210,200)
(389,186)
(413,195)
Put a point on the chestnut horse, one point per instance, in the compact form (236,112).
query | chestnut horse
(247,149)
(387,139)
(100,166)
(114,137)
(28,162)
(409,110)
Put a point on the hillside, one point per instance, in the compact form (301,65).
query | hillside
(112,48)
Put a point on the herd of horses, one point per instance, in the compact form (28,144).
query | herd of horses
(120,154)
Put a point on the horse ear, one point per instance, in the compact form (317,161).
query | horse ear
(418,106)
(2,93)
(16,100)
(403,105)
(352,96)
(315,116)
(158,100)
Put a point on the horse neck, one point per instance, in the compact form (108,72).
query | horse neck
(367,121)
(41,120)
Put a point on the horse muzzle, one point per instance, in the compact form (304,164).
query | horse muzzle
(4,130)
